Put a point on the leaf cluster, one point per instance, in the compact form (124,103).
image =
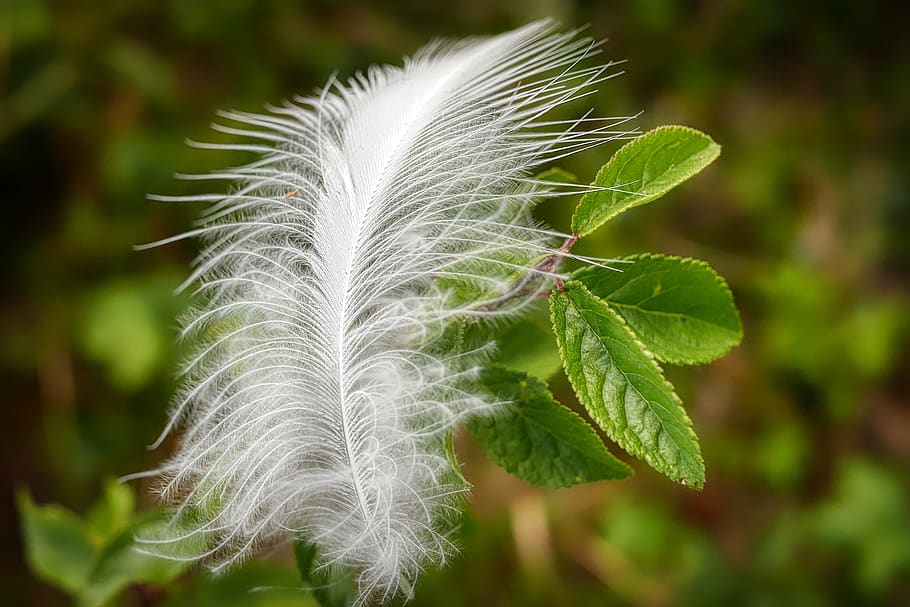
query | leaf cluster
(93,558)
(613,329)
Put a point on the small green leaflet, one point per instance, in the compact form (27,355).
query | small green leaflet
(644,170)
(681,309)
(113,511)
(622,387)
(448,445)
(58,546)
(121,565)
(94,559)
(556,175)
(539,440)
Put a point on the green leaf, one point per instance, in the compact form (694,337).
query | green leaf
(330,586)
(539,440)
(113,511)
(474,280)
(528,346)
(94,559)
(449,339)
(449,448)
(681,309)
(257,583)
(644,170)
(556,175)
(121,565)
(620,384)
(58,545)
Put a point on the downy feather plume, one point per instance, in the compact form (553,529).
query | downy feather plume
(378,213)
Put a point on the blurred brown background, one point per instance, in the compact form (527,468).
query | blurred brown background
(805,427)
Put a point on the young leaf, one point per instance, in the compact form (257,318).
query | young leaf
(452,456)
(556,175)
(58,546)
(644,170)
(539,440)
(113,510)
(331,586)
(120,564)
(622,387)
(94,559)
(681,309)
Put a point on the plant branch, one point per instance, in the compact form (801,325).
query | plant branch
(549,264)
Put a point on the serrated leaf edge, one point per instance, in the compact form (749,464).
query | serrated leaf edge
(635,453)
(712,145)
(623,466)
(576,276)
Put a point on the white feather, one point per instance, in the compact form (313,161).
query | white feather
(317,405)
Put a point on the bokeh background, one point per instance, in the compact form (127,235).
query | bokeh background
(805,427)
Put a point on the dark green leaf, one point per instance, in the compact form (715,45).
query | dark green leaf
(681,309)
(622,387)
(644,170)
(539,440)
(528,346)
(331,586)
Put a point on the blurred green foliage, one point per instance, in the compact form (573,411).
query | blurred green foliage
(93,558)
(805,427)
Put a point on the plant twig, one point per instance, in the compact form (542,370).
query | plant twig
(520,288)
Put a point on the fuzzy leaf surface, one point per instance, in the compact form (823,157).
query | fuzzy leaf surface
(538,439)
(622,387)
(681,309)
(642,171)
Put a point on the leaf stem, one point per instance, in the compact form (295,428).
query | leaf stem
(549,264)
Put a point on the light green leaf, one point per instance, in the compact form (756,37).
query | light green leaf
(257,583)
(94,559)
(539,440)
(452,456)
(644,170)
(474,281)
(113,511)
(58,546)
(620,384)
(556,175)
(681,309)
(121,565)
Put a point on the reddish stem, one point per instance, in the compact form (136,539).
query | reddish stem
(547,265)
